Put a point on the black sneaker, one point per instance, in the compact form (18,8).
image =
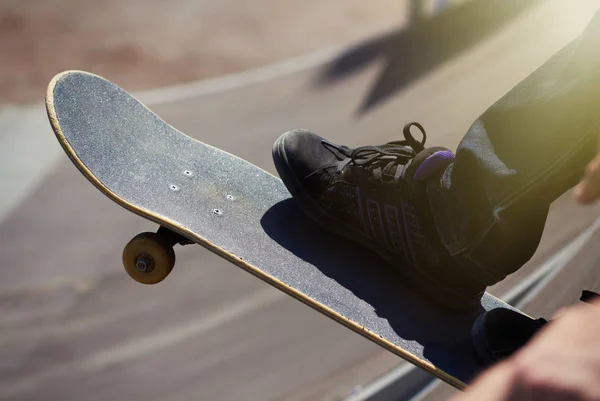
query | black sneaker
(376,195)
(499,333)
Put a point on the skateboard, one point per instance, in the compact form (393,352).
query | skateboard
(199,194)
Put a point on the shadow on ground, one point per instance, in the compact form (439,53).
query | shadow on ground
(411,52)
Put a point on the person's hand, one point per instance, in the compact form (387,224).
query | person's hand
(561,363)
(588,190)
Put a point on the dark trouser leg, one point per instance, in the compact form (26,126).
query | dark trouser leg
(517,158)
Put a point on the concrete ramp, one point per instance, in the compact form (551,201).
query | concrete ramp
(75,327)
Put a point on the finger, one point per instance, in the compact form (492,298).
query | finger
(588,190)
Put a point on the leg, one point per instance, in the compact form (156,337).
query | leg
(517,158)
(453,226)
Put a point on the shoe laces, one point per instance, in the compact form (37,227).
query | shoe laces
(386,160)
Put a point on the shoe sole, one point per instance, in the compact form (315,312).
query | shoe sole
(444,296)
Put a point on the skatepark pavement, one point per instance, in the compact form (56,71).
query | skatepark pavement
(74,326)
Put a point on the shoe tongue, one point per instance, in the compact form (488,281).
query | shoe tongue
(431,161)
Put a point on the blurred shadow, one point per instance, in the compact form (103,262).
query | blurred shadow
(392,309)
(411,52)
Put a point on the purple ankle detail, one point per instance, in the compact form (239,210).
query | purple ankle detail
(435,162)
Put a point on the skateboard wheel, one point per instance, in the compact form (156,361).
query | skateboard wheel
(148,258)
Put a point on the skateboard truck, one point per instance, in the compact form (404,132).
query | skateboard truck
(149,257)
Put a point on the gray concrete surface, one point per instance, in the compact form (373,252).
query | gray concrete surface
(73,326)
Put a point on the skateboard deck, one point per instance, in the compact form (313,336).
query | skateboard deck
(200,194)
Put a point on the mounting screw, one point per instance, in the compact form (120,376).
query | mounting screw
(145,264)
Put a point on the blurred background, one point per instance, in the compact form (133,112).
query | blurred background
(236,74)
